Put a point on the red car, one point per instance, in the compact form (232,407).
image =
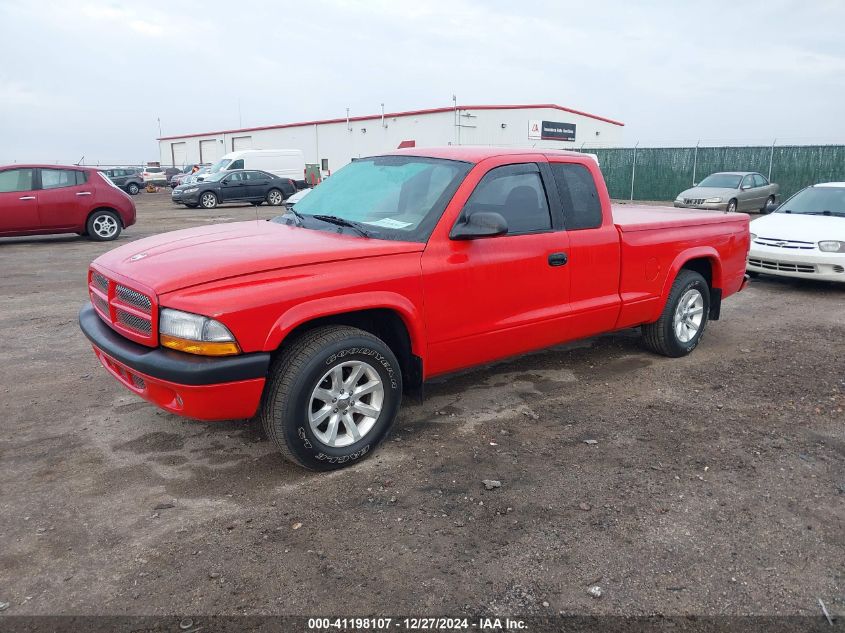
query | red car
(396,269)
(44,199)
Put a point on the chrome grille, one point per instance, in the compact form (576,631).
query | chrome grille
(768,264)
(100,282)
(133,298)
(784,243)
(133,322)
(100,304)
(838,269)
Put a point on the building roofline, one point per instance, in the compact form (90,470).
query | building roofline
(390,115)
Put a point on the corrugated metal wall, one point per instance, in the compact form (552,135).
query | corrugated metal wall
(662,173)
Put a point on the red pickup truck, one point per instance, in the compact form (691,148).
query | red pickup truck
(398,268)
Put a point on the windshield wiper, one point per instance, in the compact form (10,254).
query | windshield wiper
(825,212)
(297,215)
(333,219)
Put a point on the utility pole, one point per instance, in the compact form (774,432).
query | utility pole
(771,158)
(695,161)
(634,169)
(457,128)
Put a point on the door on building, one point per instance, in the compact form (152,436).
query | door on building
(179,154)
(208,151)
(241,143)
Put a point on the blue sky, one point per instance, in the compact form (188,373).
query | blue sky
(92,78)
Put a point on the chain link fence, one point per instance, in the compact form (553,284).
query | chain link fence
(661,173)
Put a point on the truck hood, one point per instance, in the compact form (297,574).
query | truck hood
(176,260)
(795,226)
(708,192)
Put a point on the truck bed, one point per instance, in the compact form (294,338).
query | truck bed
(634,217)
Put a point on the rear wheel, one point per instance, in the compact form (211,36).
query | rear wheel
(103,226)
(133,189)
(275,198)
(682,322)
(208,200)
(731,206)
(332,397)
(769,200)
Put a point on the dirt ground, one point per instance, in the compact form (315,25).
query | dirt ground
(716,484)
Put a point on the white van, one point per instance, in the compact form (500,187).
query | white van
(286,163)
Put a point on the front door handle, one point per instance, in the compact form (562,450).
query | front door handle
(558,259)
(27,198)
(84,193)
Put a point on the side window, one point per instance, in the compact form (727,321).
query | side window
(760,181)
(238,164)
(81,177)
(748,181)
(517,193)
(16,180)
(578,196)
(57,178)
(236,177)
(256,176)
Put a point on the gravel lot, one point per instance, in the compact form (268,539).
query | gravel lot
(716,484)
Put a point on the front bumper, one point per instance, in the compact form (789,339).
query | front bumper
(810,265)
(200,387)
(180,197)
(713,206)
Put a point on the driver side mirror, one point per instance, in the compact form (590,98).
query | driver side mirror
(479,224)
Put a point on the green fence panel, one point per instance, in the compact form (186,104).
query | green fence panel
(661,173)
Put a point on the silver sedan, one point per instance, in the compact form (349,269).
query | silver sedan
(730,191)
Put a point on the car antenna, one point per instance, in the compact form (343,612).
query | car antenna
(79,162)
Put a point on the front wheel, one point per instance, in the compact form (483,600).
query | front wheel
(731,206)
(332,397)
(208,200)
(275,198)
(103,226)
(133,189)
(681,324)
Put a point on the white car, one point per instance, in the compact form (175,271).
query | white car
(299,195)
(804,237)
(154,175)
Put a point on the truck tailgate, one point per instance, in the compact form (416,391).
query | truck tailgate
(633,217)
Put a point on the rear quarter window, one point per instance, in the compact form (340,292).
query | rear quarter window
(578,196)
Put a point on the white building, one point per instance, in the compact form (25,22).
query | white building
(333,143)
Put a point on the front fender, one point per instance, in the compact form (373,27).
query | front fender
(353,302)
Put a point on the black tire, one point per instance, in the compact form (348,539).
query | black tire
(191,206)
(295,374)
(769,200)
(660,336)
(133,189)
(208,200)
(731,208)
(103,226)
(275,198)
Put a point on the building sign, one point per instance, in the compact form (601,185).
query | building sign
(550,131)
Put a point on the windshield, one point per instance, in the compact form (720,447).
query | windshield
(392,197)
(816,201)
(721,181)
(220,165)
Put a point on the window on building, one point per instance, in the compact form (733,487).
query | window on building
(16,180)
(578,196)
(517,193)
(324,164)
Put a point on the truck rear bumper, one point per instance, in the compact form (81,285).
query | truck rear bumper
(191,386)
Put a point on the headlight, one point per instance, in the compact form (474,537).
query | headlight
(832,246)
(679,199)
(195,334)
(190,190)
(712,200)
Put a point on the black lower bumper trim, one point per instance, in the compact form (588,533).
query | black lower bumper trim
(170,365)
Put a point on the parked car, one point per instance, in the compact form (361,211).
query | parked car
(299,195)
(129,180)
(730,191)
(154,175)
(177,179)
(243,185)
(285,163)
(196,176)
(396,269)
(169,172)
(44,199)
(804,237)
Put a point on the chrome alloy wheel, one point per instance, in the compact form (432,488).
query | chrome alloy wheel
(208,200)
(688,315)
(346,403)
(104,226)
(275,198)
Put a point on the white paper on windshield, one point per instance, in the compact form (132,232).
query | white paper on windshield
(390,223)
